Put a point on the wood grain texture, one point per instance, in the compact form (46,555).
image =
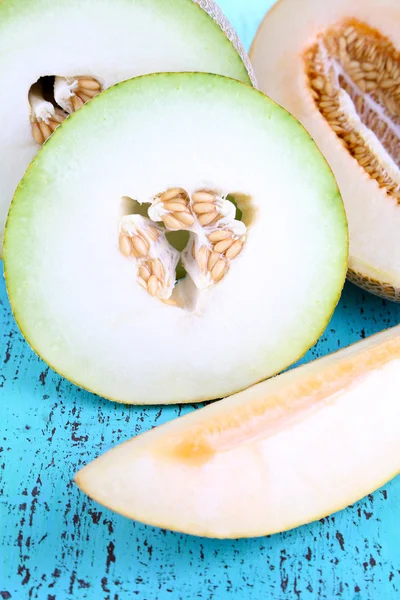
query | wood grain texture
(56,544)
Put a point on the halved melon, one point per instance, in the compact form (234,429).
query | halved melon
(282,453)
(56,55)
(90,259)
(336,66)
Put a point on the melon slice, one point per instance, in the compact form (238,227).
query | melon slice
(336,66)
(91,267)
(283,453)
(55,56)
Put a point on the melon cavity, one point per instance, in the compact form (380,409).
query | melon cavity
(215,239)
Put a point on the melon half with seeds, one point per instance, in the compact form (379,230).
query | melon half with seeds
(177,239)
(55,55)
(285,452)
(336,66)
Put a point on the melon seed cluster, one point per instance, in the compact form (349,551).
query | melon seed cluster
(44,117)
(69,95)
(354,77)
(216,238)
(156,259)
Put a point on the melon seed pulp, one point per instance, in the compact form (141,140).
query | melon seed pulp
(354,75)
(215,239)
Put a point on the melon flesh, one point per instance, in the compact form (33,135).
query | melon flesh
(363,151)
(108,40)
(283,453)
(78,300)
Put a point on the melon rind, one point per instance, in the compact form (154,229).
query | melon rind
(374,286)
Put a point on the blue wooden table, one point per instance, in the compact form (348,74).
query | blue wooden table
(57,544)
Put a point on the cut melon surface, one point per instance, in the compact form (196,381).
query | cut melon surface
(336,67)
(285,452)
(56,55)
(92,282)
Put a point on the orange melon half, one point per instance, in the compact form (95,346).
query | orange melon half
(336,66)
(282,453)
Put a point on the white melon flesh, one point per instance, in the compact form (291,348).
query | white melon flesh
(357,47)
(79,301)
(283,453)
(108,40)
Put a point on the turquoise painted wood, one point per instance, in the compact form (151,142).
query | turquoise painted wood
(56,544)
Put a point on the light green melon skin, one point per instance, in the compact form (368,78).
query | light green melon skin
(19,259)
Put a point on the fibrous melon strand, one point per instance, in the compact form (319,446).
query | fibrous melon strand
(353,65)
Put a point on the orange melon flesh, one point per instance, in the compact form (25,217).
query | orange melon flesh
(280,54)
(282,453)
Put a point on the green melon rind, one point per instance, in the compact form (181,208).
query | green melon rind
(16,244)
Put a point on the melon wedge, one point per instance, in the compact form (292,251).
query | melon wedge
(336,66)
(92,282)
(55,55)
(280,454)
